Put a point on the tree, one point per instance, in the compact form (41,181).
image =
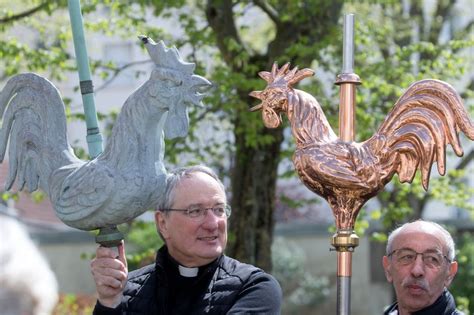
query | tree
(232,41)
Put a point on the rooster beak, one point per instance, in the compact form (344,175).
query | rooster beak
(256,94)
(200,82)
(201,86)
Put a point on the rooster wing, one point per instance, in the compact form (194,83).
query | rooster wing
(339,165)
(426,118)
(80,192)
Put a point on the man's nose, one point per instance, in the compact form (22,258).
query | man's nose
(210,219)
(418,267)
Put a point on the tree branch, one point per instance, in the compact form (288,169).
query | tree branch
(464,162)
(269,10)
(19,16)
(116,72)
(461,34)
(220,16)
(442,13)
(469,87)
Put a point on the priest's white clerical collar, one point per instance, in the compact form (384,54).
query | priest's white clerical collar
(188,272)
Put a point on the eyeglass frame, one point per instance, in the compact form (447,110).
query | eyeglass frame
(422,255)
(227,211)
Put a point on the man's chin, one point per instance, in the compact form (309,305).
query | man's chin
(416,291)
(415,303)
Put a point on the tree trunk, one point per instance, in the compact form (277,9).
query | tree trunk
(255,167)
(254,177)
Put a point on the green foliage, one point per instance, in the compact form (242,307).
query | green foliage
(384,59)
(461,288)
(301,290)
(389,60)
(73,304)
(7,195)
(142,243)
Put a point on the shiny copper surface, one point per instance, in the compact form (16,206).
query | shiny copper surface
(344,264)
(414,135)
(347,102)
(347,112)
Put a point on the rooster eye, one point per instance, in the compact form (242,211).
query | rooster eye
(172,83)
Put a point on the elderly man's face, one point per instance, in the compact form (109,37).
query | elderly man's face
(194,242)
(418,284)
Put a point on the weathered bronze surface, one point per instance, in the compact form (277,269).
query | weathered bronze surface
(426,118)
(129,177)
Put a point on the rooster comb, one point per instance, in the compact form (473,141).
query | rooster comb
(166,57)
(285,76)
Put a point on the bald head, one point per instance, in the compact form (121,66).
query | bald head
(427,227)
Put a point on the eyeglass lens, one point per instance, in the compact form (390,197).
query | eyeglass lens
(408,256)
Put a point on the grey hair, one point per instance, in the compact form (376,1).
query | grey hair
(28,284)
(448,239)
(176,176)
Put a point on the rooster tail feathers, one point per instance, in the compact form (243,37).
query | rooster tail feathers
(34,123)
(423,121)
(6,96)
(406,175)
(445,92)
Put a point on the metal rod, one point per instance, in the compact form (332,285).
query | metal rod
(108,236)
(347,81)
(347,96)
(344,264)
(348,44)
(344,274)
(345,240)
(343,295)
(94,138)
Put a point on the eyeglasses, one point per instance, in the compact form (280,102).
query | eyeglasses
(197,213)
(406,256)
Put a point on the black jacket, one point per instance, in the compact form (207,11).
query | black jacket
(444,305)
(225,286)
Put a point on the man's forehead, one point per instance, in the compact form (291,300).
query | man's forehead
(421,227)
(423,235)
(198,186)
(197,175)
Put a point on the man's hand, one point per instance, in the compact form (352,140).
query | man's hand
(110,274)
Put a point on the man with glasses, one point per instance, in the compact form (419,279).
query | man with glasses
(191,274)
(420,265)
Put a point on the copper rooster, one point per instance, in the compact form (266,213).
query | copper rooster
(414,134)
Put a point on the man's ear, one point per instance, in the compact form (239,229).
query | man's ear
(387,266)
(161,223)
(453,269)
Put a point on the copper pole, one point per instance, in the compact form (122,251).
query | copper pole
(345,240)
(347,93)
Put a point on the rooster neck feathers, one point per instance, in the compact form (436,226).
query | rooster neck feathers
(137,134)
(308,122)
